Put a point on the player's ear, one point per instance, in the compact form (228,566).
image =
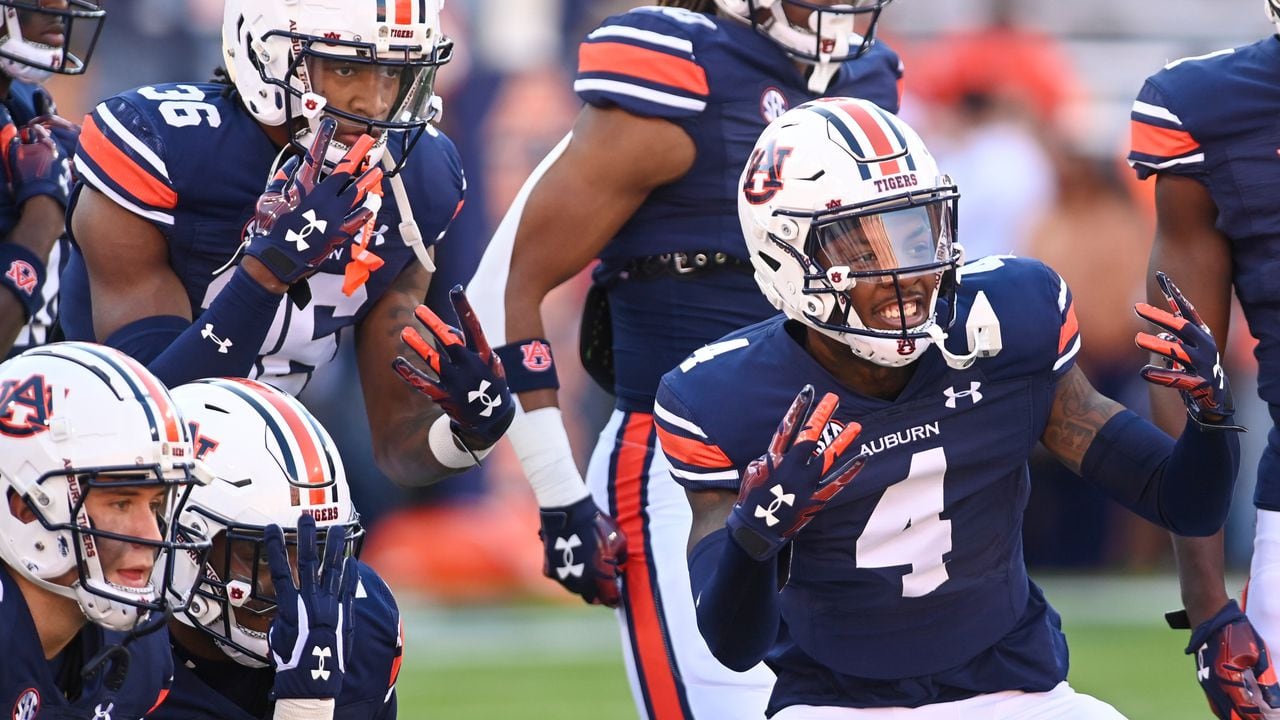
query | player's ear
(19,508)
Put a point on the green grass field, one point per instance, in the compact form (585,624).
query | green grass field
(563,663)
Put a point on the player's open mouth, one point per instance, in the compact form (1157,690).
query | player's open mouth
(133,577)
(349,135)
(891,315)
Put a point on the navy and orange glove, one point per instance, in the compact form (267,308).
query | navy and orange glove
(1192,363)
(1233,665)
(37,165)
(301,217)
(468,383)
(584,550)
(784,488)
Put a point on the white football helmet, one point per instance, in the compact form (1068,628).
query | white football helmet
(267,46)
(35,61)
(843,179)
(271,461)
(828,39)
(76,418)
(1273,11)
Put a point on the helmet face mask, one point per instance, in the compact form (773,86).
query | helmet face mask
(820,34)
(95,467)
(277,52)
(271,461)
(59,38)
(852,228)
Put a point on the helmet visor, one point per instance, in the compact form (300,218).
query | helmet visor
(393,89)
(905,241)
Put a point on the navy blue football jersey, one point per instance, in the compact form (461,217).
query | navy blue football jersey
(21,105)
(33,688)
(227,690)
(722,82)
(1213,118)
(910,586)
(192,160)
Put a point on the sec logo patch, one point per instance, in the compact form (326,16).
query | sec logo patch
(27,705)
(772,104)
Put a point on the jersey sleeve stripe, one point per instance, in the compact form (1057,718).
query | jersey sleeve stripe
(123,170)
(1070,353)
(638,92)
(131,140)
(85,170)
(652,66)
(1070,328)
(713,476)
(670,418)
(1155,111)
(1163,142)
(645,36)
(688,451)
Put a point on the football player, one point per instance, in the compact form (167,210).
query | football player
(1217,228)
(870,545)
(675,97)
(243,649)
(37,39)
(95,465)
(171,174)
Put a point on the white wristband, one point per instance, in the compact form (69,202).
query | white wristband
(542,445)
(443,445)
(304,709)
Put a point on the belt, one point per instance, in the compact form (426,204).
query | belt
(681,264)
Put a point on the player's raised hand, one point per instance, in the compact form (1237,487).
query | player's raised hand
(302,217)
(784,488)
(466,379)
(1192,363)
(584,550)
(1234,667)
(310,635)
(37,165)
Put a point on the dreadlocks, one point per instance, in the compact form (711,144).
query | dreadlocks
(699,6)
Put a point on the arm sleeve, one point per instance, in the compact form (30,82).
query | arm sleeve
(1184,486)
(736,601)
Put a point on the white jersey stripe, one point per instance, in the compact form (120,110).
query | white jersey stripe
(704,476)
(120,200)
(1070,353)
(1155,111)
(642,93)
(1188,160)
(132,141)
(672,419)
(645,36)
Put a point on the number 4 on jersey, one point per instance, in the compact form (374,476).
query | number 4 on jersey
(907,528)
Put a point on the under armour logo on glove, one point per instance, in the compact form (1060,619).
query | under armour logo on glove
(1192,363)
(1233,666)
(795,478)
(489,401)
(464,367)
(566,546)
(584,550)
(103,713)
(321,654)
(780,497)
(312,618)
(299,239)
(298,204)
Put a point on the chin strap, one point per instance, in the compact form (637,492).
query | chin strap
(982,329)
(409,231)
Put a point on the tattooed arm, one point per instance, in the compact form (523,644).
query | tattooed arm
(399,417)
(1078,413)
(1184,487)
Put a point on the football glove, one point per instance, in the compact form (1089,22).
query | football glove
(584,550)
(1233,666)
(784,488)
(1192,363)
(311,632)
(301,218)
(468,383)
(37,165)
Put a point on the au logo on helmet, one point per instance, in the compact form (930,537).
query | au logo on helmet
(25,406)
(764,174)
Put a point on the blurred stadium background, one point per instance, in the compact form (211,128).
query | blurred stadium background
(1026,104)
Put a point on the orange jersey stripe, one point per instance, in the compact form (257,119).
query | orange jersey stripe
(395,662)
(7,133)
(164,695)
(311,456)
(1069,328)
(123,170)
(1161,142)
(651,65)
(692,452)
(653,662)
